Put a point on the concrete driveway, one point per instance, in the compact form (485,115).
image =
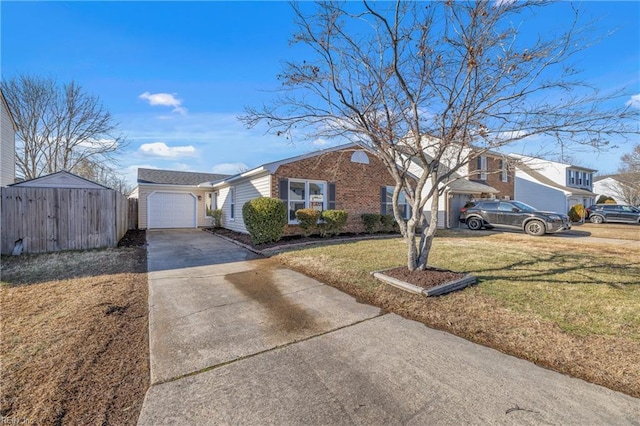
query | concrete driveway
(236,339)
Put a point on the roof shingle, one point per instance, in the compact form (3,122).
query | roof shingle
(172,177)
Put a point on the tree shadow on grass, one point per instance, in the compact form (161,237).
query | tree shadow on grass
(581,270)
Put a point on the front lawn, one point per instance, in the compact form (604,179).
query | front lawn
(558,302)
(74,347)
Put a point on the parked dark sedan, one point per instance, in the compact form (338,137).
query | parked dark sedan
(513,215)
(600,213)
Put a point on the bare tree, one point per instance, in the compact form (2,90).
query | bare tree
(59,127)
(421,84)
(103,175)
(627,187)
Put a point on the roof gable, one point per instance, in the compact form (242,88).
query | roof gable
(173,177)
(61,179)
(273,166)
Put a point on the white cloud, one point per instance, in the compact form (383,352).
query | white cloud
(161,149)
(229,168)
(634,101)
(164,99)
(321,142)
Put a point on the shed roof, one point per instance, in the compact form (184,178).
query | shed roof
(61,179)
(172,177)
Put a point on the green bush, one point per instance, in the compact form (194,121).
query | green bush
(604,199)
(371,222)
(334,222)
(577,213)
(265,219)
(308,220)
(216,220)
(388,222)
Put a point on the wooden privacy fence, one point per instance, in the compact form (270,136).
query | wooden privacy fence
(54,219)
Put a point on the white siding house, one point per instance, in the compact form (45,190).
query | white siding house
(552,186)
(623,188)
(234,193)
(174,199)
(8,130)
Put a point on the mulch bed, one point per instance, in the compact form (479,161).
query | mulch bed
(134,238)
(426,279)
(286,240)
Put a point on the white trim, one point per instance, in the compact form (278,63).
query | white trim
(232,203)
(195,210)
(213,203)
(307,195)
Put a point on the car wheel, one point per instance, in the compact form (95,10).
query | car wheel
(474,224)
(535,228)
(596,219)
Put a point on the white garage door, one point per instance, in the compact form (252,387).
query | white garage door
(171,210)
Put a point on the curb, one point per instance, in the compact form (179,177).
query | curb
(270,251)
(459,284)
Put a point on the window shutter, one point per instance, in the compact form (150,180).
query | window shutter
(283,189)
(331,201)
(383,200)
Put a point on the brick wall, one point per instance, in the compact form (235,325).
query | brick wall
(357,185)
(494,176)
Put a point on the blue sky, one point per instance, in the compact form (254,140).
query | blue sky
(177,74)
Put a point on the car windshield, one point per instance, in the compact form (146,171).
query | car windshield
(523,207)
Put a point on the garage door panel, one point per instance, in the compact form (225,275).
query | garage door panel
(171,210)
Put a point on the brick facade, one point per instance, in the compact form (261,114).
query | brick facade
(357,185)
(494,177)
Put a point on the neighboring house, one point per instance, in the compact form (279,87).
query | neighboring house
(623,188)
(345,177)
(552,186)
(8,131)
(62,179)
(486,176)
(173,199)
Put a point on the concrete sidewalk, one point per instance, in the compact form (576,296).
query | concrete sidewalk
(245,341)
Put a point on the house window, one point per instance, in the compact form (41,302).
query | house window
(580,175)
(209,204)
(482,167)
(504,173)
(232,203)
(587,180)
(387,202)
(572,177)
(303,194)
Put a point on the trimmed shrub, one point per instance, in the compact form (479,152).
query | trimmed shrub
(265,219)
(388,222)
(577,213)
(216,216)
(308,220)
(371,222)
(334,222)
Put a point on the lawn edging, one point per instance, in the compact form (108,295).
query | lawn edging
(270,251)
(459,284)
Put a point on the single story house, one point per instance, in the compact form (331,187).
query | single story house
(174,199)
(344,177)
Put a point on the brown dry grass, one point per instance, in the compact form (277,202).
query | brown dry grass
(610,230)
(562,304)
(74,337)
